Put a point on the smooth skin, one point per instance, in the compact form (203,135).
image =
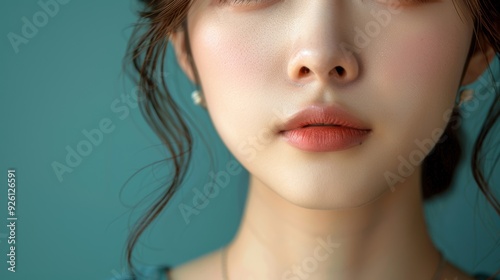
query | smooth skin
(262,61)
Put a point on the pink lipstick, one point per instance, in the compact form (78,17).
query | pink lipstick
(324,129)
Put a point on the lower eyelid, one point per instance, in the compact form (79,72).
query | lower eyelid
(247,5)
(258,3)
(402,2)
(238,2)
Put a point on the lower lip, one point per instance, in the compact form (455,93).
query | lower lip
(325,138)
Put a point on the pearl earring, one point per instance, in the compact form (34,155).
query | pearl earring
(464,95)
(198,98)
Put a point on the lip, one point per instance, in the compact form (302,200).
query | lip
(340,130)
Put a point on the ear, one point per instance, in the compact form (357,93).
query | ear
(177,39)
(478,62)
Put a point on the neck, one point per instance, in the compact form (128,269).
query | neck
(386,239)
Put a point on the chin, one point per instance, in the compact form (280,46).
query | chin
(328,193)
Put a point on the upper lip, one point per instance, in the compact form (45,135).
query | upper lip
(323,115)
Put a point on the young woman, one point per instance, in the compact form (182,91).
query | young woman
(343,112)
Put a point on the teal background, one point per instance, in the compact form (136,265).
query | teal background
(68,78)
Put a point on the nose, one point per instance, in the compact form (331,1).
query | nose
(321,49)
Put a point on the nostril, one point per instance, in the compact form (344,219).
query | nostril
(304,70)
(340,70)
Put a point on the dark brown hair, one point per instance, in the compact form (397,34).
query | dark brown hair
(147,49)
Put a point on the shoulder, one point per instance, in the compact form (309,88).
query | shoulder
(205,267)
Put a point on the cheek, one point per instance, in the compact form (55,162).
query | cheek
(231,58)
(419,77)
(233,65)
(426,61)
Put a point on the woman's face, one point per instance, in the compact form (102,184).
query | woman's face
(396,68)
